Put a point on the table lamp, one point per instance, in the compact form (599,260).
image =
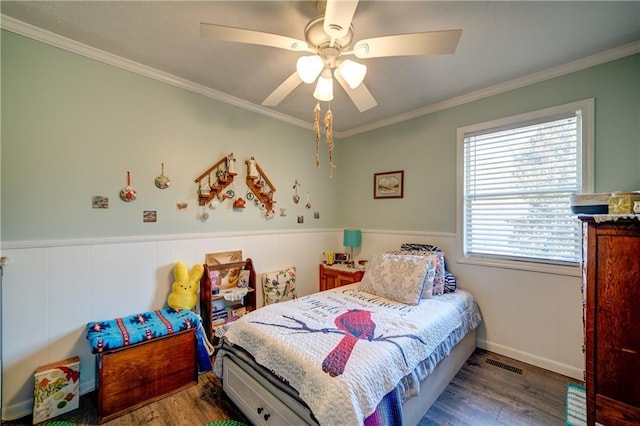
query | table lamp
(352,238)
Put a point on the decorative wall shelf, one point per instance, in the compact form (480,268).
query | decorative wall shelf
(260,185)
(223,173)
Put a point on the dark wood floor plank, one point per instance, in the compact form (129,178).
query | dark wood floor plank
(480,394)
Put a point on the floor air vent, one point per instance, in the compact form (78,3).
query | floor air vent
(504,366)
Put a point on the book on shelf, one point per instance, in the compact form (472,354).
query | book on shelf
(238,311)
(218,323)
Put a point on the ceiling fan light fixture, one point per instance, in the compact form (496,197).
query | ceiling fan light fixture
(352,72)
(324,88)
(309,68)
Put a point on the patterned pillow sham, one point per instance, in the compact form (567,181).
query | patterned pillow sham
(419,247)
(437,260)
(396,277)
(279,286)
(450,283)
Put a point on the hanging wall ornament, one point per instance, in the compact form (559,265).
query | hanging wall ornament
(308,205)
(203,215)
(316,128)
(162,181)
(328,127)
(128,193)
(296,197)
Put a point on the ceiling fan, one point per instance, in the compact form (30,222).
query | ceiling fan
(329,39)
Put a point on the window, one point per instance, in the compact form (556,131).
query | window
(516,178)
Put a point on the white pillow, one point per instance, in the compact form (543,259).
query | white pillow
(396,277)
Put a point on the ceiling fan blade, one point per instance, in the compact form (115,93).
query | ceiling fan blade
(430,43)
(361,97)
(241,35)
(283,90)
(338,16)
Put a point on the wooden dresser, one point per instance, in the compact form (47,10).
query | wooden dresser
(338,275)
(611,289)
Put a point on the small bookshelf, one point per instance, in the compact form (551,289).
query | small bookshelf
(214,308)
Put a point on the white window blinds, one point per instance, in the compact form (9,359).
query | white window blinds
(517,183)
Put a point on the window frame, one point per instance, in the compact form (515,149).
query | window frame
(586,108)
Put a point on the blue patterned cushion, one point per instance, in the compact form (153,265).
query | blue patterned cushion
(115,333)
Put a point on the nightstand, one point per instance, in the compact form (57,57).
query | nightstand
(338,275)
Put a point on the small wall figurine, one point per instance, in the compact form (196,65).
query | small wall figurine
(252,171)
(231,165)
(239,203)
(205,188)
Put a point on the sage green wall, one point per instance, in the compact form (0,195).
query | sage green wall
(72,127)
(425,148)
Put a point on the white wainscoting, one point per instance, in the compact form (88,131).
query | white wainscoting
(53,289)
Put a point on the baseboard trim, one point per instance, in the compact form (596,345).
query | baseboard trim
(548,364)
(24,408)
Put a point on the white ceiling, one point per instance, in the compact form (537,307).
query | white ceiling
(502,41)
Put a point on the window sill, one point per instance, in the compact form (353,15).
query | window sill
(574,271)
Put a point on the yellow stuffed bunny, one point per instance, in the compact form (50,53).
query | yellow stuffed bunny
(185,287)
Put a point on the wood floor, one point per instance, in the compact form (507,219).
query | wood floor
(485,394)
(482,393)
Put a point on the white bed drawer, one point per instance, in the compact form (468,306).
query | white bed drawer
(254,400)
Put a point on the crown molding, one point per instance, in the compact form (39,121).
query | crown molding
(560,70)
(33,32)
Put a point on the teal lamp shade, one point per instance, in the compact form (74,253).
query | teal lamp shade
(352,238)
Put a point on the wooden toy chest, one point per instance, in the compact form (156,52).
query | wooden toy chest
(132,376)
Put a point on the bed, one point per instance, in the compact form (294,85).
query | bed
(351,355)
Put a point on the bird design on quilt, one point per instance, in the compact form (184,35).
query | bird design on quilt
(357,325)
(354,325)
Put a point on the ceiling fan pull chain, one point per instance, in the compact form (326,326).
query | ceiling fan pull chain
(316,128)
